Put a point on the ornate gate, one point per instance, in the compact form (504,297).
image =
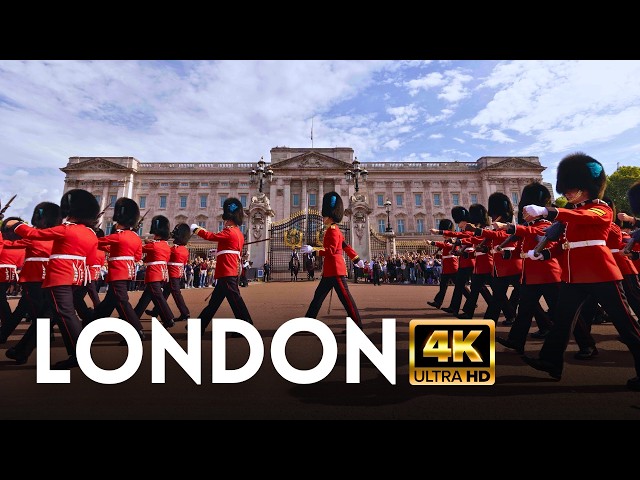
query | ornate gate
(287,236)
(378,244)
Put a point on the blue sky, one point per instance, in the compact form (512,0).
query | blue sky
(237,110)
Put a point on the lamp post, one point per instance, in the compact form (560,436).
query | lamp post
(356,172)
(387,206)
(260,173)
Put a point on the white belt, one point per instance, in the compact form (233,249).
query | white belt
(122,258)
(159,262)
(615,250)
(480,253)
(448,256)
(36,259)
(96,266)
(509,248)
(584,243)
(175,264)
(234,252)
(63,256)
(6,265)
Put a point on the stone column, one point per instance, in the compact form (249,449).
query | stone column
(358,213)
(320,193)
(287,197)
(259,223)
(303,195)
(391,243)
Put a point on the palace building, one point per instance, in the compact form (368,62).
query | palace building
(419,193)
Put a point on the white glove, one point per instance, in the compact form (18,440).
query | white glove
(532,255)
(194,227)
(360,263)
(536,211)
(306,249)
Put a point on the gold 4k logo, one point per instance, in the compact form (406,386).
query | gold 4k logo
(451,352)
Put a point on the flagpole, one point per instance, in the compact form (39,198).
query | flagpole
(311,132)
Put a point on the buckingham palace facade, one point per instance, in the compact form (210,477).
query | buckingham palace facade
(421,193)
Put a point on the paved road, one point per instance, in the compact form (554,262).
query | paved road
(588,390)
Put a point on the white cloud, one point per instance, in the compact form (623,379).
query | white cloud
(436,135)
(459,140)
(392,144)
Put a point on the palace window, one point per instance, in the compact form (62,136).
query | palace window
(400,225)
(163,201)
(514,198)
(455,199)
(204,184)
(202,223)
(164,184)
(113,200)
(418,197)
(183,201)
(243,228)
(98,198)
(184,184)
(399,199)
(203,201)
(142,201)
(243,201)
(419,225)
(380,200)
(222,199)
(220,225)
(436,200)
(313,199)
(474,198)
(108,228)
(382,225)
(296,200)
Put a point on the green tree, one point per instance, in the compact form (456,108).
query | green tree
(618,184)
(560,202)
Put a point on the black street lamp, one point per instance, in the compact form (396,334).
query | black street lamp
(260,173)
(387,206)
(355,173)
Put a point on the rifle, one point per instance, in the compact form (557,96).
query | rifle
(103,211)
(4,209)
(141,220)
(635,237)
(511,238)
(552,232)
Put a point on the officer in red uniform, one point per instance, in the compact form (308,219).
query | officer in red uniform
(449,263)
(588,266)
(67,270)
(33,301)
(466,263)
(541,274)
(230,244)
(11,260)
(96,261)
(156,256)
(177,261)
(334,269)
(633,196)
(125,249)
(506,269)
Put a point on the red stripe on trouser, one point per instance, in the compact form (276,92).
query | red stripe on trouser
(61,317)
(626,304)
(350,307)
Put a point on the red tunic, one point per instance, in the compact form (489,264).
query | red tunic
(95,262)
(449,262)
(617,241)
(125,249)
(230,243)
(334,265)
(36,258)
(504,268)
(591,264)
(72,243)
(157,254)
(484,260)
(465,262)
(535,272)
(11,259)
(178,259)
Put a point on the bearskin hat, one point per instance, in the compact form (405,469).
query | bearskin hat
(80,205)
(478,215)
(460,214)
(46,215)
(580,171)
(8,232)
(500,206)
(99,232)
(181,234)
(232,210)
(633,195)
(332,206)
(445,224)
(534,194)
(160,227)
(126,212)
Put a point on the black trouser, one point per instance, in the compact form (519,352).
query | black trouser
(226,287)
(32,302)
(172,287)
(339,284)
(462,277)
(64,314)
(84,312)
(631,287)
(499,287)
(92,290)
(153,292)
(376,278)
(612,298)
(529,302)
(117,297)
(479,282)
(5,309)
(444,284)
